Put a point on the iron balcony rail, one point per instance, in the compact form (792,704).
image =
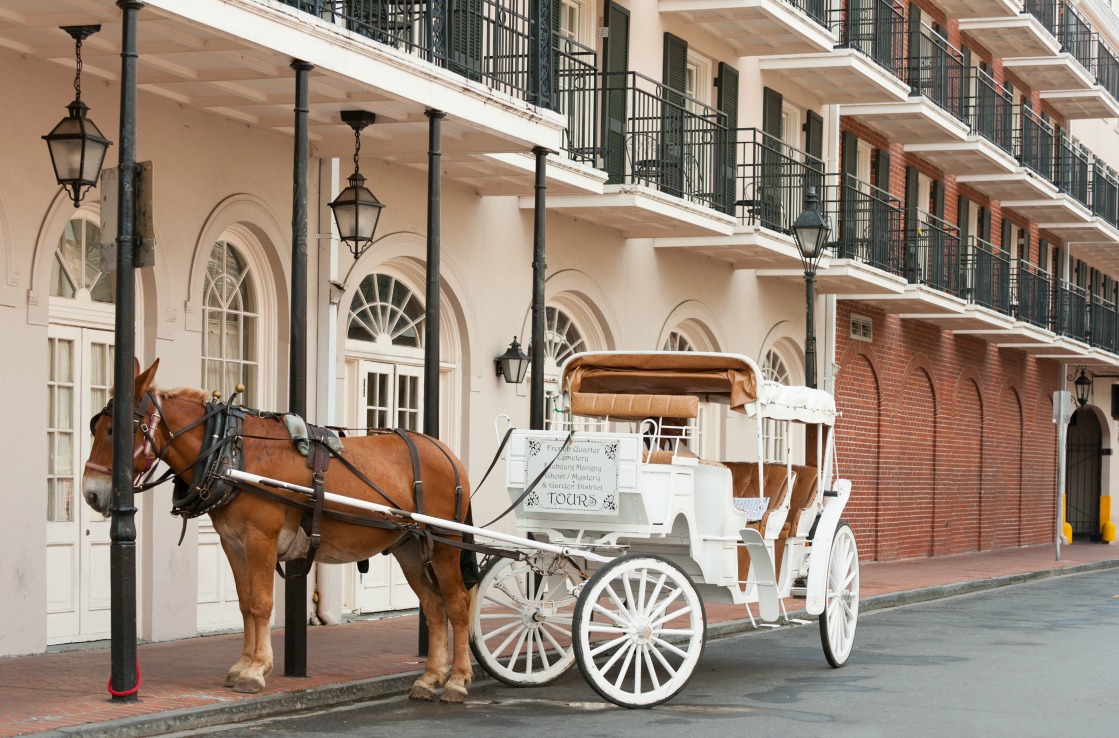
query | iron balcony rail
(1105,192)
(874,27)
(773,180)
(990,276)
(991,112)
(576,69)
(934,254)
(659,137)
(1074,168)
(1072,312)
(1036,144)
(1033,293)
(503,43)
(870,227)
(1077,37)
(1103,322)
(937,71)
(816,10)
(1046,11)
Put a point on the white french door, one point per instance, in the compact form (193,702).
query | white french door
(383,395)
(78,382)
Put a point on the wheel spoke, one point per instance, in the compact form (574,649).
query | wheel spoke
(499,631)
(687,610)
(657,590)
(603,647)
(548,626)
(499,615)
(650,667)
(625,665)
(617,617)
(664,662)
(517,651)
(545,633)
(670,647)
(507,641)
(617,602)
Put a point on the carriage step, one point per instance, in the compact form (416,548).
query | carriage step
(762,560)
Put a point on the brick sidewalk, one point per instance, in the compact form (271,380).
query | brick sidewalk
(67,689)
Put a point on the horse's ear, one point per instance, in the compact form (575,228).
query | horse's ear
(144,380)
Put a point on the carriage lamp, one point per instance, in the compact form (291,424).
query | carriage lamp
(356,210)
(513,364)
(810,231)
(76,144)
(1083,387)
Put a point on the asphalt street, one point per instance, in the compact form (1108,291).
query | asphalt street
(1037,659)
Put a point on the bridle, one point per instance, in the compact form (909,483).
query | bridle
(146,418)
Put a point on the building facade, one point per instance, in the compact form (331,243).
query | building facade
(964,152)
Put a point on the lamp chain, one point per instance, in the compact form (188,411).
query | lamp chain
(78,71)
(357,148)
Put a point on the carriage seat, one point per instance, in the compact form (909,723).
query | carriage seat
(634,407)
(744,476)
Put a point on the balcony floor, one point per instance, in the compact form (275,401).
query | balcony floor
(640,212)
(755,27)
(917,120)
(1021,184)
(1094,231)
(1061,72)
(842,76)
(1092,103)
(977,155)
(1060,209)
(749,247)
(980,8)
(1007,38)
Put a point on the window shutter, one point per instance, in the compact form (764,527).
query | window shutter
(985,224)
(675,63)
(882,170)
(772,103)
(814,146)
(914,48)
(963,221)
(912,194)
(466,38)
(615,54)
(849,233)
(671,150)
(727,102)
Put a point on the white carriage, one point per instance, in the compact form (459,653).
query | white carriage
(631,532)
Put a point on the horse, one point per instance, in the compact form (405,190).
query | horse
(259,528)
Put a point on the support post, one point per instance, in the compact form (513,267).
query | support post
(431,315)
(122,528)
(295,589)
(810,328)
(539,270)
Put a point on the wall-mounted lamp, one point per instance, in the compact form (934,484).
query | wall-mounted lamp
(1083,387)
(76,144)
(356,210)
(513,364)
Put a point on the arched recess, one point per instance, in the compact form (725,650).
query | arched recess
(1007,520)
(586,302)
(858,396)
(250,225)
(915,452)
(787,339)
(958,527)
(402,255)
(1084,472)
(697,323)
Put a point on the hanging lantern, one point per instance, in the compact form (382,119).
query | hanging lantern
(356,209)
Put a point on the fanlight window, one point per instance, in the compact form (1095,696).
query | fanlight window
(773,431)
(677,342)
(562,340)
(76,270)
(387,312)
(229,342)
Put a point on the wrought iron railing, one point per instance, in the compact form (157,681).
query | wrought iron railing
(1105,192)
(817,10)
(1103,322)
(773,180)
(659,137)
(1032,295)
(1074,169)
(874,27)
(990,277)
(1046,11)
(937,71)
(1035,144)
(576,68)
(1107,68)
(991,112)
(869,226)
(1077,37)
(507,44)
(1071,311)
(934,255)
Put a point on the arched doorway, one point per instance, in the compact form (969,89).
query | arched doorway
(1082,502)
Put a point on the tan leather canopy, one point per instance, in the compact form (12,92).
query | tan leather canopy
(664,373)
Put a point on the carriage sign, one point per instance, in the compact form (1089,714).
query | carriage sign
(582,479)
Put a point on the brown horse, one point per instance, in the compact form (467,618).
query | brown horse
(257,529)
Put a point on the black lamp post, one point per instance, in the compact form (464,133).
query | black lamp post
(356,210)
(810,230)
(1083,387)
(76,144)
(513,364)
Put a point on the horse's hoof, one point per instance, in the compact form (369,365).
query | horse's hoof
(248,685)
(454,693)
(421,692)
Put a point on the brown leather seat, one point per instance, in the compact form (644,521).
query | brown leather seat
(805,490)
(745,480)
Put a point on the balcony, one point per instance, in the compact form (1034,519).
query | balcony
(1012,37)
(980,8)
(1033,180)
(770,185)
(669,161)
(760,27)
(989,148)
(1028,313)
(866,66)
(936,107)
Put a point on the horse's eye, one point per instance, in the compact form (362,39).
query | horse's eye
(109,430)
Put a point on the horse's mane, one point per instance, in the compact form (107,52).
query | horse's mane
(186,393)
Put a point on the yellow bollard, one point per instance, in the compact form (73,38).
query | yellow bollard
(1107,528)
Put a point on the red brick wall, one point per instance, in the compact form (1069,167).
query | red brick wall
(947,440)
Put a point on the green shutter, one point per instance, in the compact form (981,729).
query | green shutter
(914,67)
(883,220)
(849,197)
(912,195)
(882,169)
(770,186)
(772,102)
(671,151)
(963,222)
(814,147)
(615,54)
(727,82)
(985,224)
(466,38)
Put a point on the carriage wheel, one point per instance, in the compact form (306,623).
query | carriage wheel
(521,619)
(841,604)
(639,630)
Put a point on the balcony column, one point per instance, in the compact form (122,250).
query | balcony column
(539,269)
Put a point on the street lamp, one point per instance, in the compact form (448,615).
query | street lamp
(76,144)
(1083,387)
(810,230)
(513,364)
(356,210)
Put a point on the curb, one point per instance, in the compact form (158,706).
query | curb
(273,705)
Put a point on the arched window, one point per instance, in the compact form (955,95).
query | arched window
(562,340)
(76,269)
(230,316)
(677,341)
(385,311)
(773,431)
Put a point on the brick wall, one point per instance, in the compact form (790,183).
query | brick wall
(947,440)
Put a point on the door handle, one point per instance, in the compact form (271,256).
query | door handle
(87,531)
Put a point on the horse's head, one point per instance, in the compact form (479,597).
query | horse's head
(97,482)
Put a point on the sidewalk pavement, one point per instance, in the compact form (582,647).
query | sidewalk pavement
(181,680)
